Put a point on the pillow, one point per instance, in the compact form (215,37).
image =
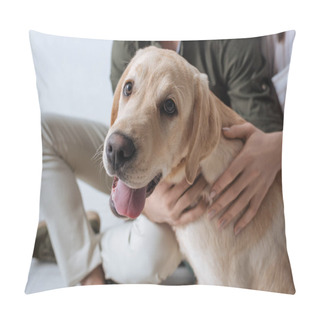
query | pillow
(75,96)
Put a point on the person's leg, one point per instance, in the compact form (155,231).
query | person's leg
(70,149)
(139,251)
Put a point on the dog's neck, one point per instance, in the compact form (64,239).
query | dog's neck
(220,158)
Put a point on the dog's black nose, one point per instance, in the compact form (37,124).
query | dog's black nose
(119,149)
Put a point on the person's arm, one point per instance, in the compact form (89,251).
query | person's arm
(248,84)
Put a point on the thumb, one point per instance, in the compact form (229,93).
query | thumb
(239,131)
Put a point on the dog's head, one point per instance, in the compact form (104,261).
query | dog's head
(162,125)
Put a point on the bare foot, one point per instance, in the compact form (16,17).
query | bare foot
(96,276)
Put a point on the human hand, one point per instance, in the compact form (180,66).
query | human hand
(171,203)
(249,176)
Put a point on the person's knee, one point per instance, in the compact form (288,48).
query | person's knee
(48,119)
(140,251)
(48,122)
(158,246)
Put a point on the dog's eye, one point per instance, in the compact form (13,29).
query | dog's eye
(127,89)
(169,107)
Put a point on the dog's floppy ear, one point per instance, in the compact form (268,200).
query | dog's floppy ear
(116,97)
(206,127)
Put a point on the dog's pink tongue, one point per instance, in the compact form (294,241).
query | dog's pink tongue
(128,202)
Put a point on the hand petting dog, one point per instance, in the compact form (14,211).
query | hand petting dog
(250,176)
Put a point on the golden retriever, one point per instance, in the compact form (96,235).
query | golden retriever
(166,124)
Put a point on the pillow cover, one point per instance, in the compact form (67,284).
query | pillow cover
(75,97)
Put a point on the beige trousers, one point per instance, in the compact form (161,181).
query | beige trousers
(137,251)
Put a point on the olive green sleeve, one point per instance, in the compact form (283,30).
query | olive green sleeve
(122,53)
(250,89)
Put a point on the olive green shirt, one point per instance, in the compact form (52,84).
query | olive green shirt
(237,72)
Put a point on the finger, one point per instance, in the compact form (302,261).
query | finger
(229,195)
(193,214)
(191,195)
(229,175)
(249,214)
(179,189)
(239,131)
(235,209)
(163,186)
(173,192)
(195,190)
